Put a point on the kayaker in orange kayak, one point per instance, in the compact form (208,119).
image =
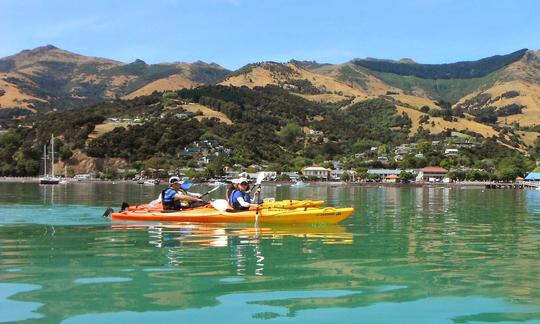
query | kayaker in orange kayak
(240,199)
(176,197)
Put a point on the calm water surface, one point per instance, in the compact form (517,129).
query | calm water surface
(408,255)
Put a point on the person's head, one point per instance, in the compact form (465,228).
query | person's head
(243,184)
(174,182)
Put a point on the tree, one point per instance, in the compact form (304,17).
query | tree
(291,131)
(405,176)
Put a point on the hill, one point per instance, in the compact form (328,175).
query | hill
(48,77)
(241,125)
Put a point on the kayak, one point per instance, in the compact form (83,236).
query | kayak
(280,204)
(328,215)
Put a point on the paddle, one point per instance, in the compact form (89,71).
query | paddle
(153,203)
(260,178)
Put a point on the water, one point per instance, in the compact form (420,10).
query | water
(408,255)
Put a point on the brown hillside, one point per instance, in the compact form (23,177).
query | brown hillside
(174,82)
(287,75)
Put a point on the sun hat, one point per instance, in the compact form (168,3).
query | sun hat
(174,180)
(242,180)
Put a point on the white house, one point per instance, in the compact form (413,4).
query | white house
(317,172)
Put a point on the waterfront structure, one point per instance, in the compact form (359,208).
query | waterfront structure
(317,172)
(432,174)
(534,175)
(384,173)
(392,178)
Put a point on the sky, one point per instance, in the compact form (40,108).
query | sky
(233,33)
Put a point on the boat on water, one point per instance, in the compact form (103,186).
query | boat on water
(328,215)
(279,204)
(300,184)
(48,179)
(148,182)
(215,183)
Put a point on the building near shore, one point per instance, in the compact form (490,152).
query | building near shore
(432,174)
(534,175)
(316,172)
(392,178)
(384,173)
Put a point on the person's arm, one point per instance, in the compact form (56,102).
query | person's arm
(244,203)
(187,197)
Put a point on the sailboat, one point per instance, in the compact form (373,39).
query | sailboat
(48,178)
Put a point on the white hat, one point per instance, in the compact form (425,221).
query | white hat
(174,180)
(241,180)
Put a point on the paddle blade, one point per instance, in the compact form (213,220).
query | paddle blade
(220,204)
(260,178)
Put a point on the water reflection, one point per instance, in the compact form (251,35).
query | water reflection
(242,241)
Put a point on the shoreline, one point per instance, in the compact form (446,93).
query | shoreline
(274,183)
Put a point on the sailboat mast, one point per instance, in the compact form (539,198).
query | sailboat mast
(52,155)
(45,159)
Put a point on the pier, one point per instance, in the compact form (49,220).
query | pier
(512,185)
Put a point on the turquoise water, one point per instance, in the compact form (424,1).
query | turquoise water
(408,255)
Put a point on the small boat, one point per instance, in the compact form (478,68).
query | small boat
(151,182)
(300,184)
(328,215)
(215,183)
(48,179)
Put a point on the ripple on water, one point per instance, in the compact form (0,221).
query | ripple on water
(52,215)
(102,280)
(234,308)
(14,310)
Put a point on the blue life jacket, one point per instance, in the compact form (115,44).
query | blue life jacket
(234,199)
(167,199)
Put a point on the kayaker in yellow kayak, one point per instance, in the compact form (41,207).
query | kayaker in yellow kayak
(240,199)
(176,197)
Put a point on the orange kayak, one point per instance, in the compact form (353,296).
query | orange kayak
(280,204)
(328,215)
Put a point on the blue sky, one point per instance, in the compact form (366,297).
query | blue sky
(236,32)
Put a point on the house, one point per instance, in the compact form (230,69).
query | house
(432,174)
(398,158)
(382,159)
(337,175)
(451,152)
(316,172)
(534,175)
(392,178)
(293,176)
(419,155)
(384,173)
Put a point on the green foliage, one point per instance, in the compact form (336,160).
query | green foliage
(405,176)
(290,131)
(459,70)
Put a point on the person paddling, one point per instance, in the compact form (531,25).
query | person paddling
(232,188)
(240,199)
(176,197)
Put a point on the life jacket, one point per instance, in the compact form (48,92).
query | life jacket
(168,201)
(234,199)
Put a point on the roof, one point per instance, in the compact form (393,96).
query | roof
(383,171)
(393,176)
(434,169)
(533,176)
(313,168)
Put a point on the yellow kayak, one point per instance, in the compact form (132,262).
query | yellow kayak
(328,215)
(280,204)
